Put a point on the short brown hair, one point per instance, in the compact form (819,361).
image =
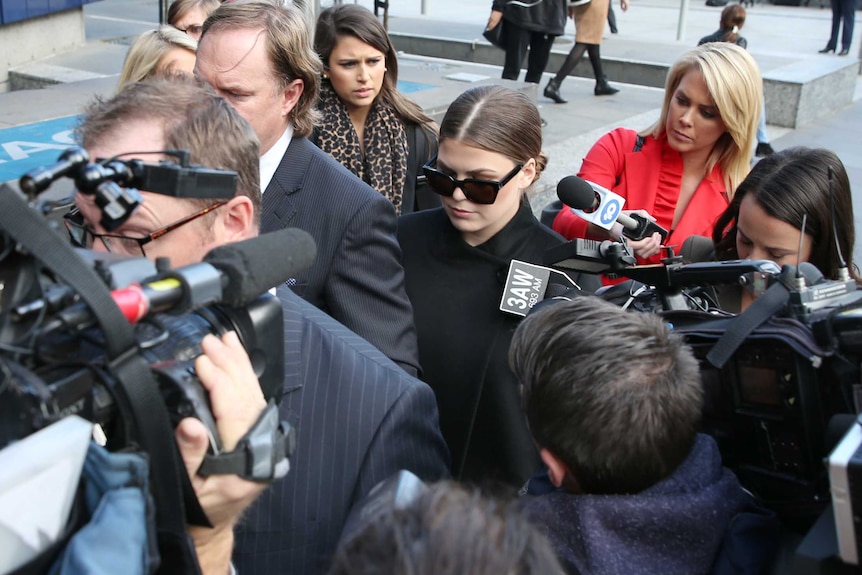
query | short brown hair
(289,48)
(194,117)
(613,394)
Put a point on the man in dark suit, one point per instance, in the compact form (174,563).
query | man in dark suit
(259,57)
(359,418)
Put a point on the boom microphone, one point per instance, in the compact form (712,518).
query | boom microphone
(603,208)
(234,274)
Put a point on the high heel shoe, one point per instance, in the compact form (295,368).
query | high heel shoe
(552,92)
(826,50)
(603,88)
(844,52)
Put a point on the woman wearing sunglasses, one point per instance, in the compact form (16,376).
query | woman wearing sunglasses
(456,260)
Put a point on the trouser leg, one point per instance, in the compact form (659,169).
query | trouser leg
(540,52)
(517,40)
(762,138)
(848,15)
(836,23)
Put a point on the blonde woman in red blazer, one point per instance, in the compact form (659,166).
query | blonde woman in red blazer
(682,172)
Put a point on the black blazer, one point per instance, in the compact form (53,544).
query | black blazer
(357,276)
(359,419)
(464,338)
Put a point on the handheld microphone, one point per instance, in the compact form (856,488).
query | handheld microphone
(603,208)
(234,274)
(527,284)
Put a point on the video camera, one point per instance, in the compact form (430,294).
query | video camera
(68,345)
(781,379)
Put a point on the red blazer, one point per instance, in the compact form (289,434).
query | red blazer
(646,178)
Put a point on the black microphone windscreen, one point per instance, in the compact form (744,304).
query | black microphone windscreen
(697,249)
(255,265)
(809,271)
(576,193)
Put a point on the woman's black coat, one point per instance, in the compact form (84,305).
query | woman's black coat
(464,338)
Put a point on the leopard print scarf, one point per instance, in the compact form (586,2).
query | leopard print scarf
(384,166)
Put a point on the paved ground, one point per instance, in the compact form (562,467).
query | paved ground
(647,31)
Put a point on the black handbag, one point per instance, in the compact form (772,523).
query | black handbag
(495,35)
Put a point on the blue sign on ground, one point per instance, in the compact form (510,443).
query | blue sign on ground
(29,146)
(17,10)
(408,87)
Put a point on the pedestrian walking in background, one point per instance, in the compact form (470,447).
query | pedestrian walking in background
(590,21)
(532,24)
(841,10)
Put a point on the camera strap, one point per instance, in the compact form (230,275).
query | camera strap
(138,389)
(262,454)
(772,301)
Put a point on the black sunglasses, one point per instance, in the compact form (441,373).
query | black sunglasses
(477,191)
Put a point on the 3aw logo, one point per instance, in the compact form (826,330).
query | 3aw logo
(525,287)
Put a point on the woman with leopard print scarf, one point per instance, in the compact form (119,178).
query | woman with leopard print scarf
(367,125)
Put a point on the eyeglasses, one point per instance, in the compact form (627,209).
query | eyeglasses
(477,191)
(194,30)
(84,237)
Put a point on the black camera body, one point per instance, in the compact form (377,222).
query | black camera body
(114,339)
(772,387)
(52,348)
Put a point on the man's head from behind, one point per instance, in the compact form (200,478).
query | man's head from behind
(259,56)
(447,530)
(613,398)
(174,113)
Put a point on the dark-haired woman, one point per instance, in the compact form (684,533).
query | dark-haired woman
(456,261)
(764,221)
(367,124)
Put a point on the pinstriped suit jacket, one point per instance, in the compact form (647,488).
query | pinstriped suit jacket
(357,276)
(359,419)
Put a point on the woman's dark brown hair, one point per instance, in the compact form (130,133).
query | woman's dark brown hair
(362,24)
(792,183)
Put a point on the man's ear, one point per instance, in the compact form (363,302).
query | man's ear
(290,96)
(236,220)
(557,470)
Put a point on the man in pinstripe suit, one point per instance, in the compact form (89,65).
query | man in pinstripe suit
(259,57)
(359,417)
